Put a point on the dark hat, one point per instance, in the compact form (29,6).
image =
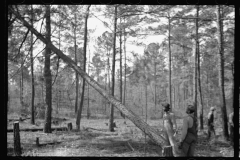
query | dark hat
(190,108)
(166,106)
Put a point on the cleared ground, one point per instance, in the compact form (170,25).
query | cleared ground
(94,139)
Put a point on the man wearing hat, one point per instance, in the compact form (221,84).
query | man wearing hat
(188,137)
(169,123)
(210,122)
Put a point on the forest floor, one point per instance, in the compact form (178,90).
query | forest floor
(94,139)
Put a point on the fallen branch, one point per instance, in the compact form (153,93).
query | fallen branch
(93,129)
(131,146)
(20,119)
(39,129)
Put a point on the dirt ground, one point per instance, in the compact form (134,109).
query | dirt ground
(95,140)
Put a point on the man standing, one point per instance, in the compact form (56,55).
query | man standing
(231,127)
(188,137)
(169,123)
(210,122)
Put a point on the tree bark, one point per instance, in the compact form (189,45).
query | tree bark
(125,69)
(111,128)
(32,73)
(221,72)
(155,85)
(76,61)
(120,78)
(79,113)
(200,91)
(152,132)
(47,75)
(21,83)
(195,78)
(88,108)
(167,151)
(16,138)
(170,74)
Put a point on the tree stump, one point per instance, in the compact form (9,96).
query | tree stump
(167,151)
(16,138)
(69,126)
(37,141)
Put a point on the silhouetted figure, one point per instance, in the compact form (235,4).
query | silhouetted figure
(210,122)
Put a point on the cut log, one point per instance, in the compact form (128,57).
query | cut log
(167,151)
(20,119)
(69,126)
(16,138)
(39,129)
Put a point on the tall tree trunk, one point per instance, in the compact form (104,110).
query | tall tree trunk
(32,73)
(125,69)
(48,76)
(200,91)
(153,133)
(146,104)
(21,83)
(88,108)
(120,78)
(79,114)
(221,72)
(155,85)
(195,63)
(111,128)
(76,60)
(59,47)
(42,85)
(169,48)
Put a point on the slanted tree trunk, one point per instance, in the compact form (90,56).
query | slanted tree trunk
(221,72)
(47,75)
(32,73)
(79,113)
(153,133)
(111,128)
